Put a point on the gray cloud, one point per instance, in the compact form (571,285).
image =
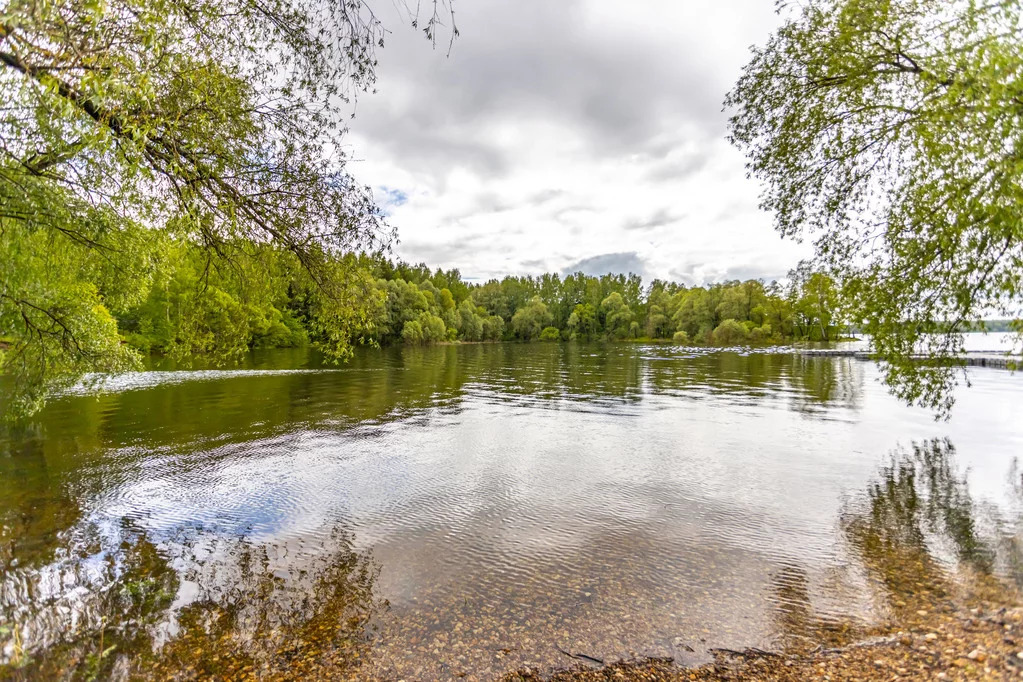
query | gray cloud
(621,89)
(678,169)
(572,127)
(697,274)
(491,202)
(535,264)
(618,263)
(432,253)
(753,271)
(545,196)
(659,218)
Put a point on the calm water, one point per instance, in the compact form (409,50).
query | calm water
(466,511)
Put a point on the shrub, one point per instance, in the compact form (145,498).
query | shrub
(550,334)
(761,334)
(433,328)
(729,333)
(681,339)
(412,332)
(493,328)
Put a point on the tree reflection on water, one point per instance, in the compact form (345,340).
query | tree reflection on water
(135,544)
(922,544)
(920,535)
(199,607)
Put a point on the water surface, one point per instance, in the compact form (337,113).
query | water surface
(467,511)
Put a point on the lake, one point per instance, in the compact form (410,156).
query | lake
(465,511)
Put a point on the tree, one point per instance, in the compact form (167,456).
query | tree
(550,334)
(412,332)
(658,323)
(740,301)
(582,323)
(777,311)
(127,121)
(529,321)
(470,323)
(617,316)
(888,130)
(729,333)
(493,328)
(815,303)
(695,313)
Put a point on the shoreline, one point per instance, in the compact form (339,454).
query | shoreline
(972,645)
(974,637)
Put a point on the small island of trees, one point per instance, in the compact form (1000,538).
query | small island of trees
(267,299)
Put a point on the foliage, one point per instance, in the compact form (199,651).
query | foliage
(550,334)
(529,320)
(130,127)
(888,130)
(265,298)
(585,308)
(52,307)
(730,333)
(582,323)
(617,316)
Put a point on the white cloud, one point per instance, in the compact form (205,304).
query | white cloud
(558,132)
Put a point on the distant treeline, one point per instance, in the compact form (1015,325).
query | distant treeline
(945,327)
(994,326)
(264,297)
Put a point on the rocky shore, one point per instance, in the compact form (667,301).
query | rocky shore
(980,643)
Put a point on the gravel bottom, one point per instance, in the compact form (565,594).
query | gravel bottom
(962,644)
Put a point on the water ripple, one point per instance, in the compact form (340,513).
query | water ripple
(514,498)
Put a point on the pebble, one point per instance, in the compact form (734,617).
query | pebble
(931,636)
(977,655)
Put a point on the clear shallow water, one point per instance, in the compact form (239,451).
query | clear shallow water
(427,513)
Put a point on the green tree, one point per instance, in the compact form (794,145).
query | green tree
(816,303)
(695,313)
(889,131)
(730,333)
(404,302)
(470,322)
(529,321)
(777,311)
(582,323)
(492,297)
(493,328)
(741,301)
(618,316)
(128,121)
(550,334)
(412,333)
(658,322)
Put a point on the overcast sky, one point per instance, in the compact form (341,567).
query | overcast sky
(564,135)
